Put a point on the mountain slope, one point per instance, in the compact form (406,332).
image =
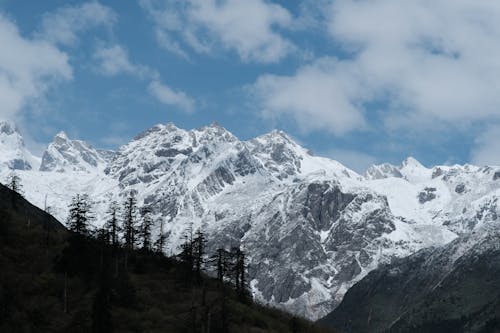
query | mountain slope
(13,153)
(55,281)
(64,154)
(313,227)
(454,288)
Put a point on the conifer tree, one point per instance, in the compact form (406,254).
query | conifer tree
(80,215)
(130,221)
(198,248)
(239,271)
(160,241)
(14,184)
(145,229)
(112,225)
(221,261)
(186,255)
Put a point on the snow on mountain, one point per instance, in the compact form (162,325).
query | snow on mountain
(381,171)
(13,153)
(445,288)
(311,227)
(64,154)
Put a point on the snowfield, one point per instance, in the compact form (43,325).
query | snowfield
(311,227)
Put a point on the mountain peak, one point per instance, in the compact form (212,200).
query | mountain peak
(7,127)
(62,135)
(382,171)
(214,132)
(13,153)
(64,154)
(411,162)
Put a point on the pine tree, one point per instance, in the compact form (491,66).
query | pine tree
(239,271)
(112,225)
(80,215)
(186,256)
(129,222)
(14,183)
(198,248)
(145,230)
(221,260)
(160,241)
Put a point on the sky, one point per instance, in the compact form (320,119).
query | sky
(360,81)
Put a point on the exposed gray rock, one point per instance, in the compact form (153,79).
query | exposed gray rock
(460,188)
(449,289)
(426,195)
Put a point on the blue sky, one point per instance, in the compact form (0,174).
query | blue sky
(359,81)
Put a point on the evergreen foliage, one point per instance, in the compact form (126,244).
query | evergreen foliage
(145,229)
(82,283)
(113,224)
(130,222)
(160,241)
(14,183)
(80,215)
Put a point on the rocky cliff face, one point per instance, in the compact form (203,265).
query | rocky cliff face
(454,288)
(311,227)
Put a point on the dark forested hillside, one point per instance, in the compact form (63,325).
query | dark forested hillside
(454,288)
(53,280)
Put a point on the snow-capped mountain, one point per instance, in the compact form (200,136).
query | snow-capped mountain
(13,153)
(452,288)
(64,154)
(311,227)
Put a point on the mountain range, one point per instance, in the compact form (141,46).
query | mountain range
(312,228)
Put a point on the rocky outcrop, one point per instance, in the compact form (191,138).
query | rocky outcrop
(448,289)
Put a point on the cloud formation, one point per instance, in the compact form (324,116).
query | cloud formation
(64,25)
(321,96)
(251,28)
(28,68)
(113,60)
(169,96)
(435,59)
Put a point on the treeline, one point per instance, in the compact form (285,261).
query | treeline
(128,231)
(131,228)
(116,278)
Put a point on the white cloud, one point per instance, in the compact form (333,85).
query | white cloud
(169,44)
(435,59)
(321,96)
(248,27)
(487,150)
(64,24)
(167,95)
(114,60)
(28,68)
(439,58)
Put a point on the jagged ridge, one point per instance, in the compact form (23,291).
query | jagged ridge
(312,227)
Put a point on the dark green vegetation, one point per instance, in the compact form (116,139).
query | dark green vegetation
(53,280)
(428,292)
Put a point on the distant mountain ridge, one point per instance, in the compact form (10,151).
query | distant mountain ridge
(312,227)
